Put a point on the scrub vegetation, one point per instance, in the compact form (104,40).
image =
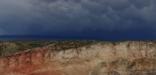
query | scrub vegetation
(9,47)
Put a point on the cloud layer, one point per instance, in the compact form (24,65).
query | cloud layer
(76,17)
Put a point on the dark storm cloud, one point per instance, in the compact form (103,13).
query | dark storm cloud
(77,17)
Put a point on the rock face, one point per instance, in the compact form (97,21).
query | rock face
(122,58)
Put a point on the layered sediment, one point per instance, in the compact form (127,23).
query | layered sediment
(102,58)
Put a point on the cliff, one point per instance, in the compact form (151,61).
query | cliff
(101,58)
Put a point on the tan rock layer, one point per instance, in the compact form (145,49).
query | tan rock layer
(122,58)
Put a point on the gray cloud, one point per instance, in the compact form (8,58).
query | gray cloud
(141,3)
(75,16)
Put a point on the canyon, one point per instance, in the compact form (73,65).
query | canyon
(101,58)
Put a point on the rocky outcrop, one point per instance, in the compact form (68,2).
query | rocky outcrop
(103,58)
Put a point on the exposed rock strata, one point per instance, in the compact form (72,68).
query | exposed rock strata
(123,58)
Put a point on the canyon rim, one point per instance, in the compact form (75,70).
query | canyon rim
(93,58)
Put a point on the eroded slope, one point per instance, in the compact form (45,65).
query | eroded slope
(120,58)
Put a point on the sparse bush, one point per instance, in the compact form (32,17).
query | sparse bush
(8,48)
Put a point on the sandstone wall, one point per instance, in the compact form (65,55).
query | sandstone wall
(122,58)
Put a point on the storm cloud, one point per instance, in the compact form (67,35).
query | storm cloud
(77,17)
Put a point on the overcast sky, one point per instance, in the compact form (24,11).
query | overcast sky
(104,19)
